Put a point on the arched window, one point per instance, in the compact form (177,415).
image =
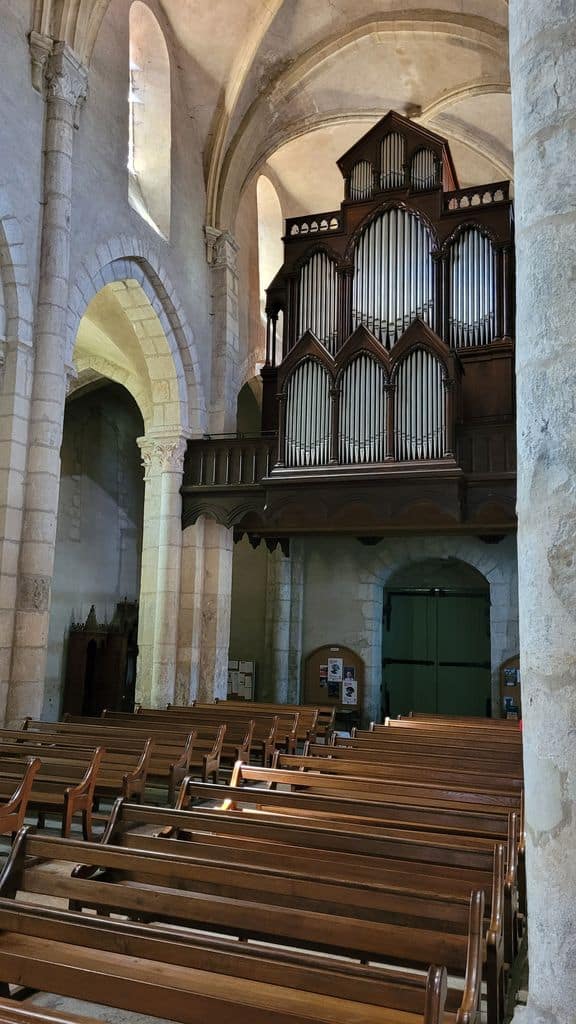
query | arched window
(393,275)
(363,402)
(420,413)
(307,416)
(270,232)
(318,299)
(150,131)
(472,289)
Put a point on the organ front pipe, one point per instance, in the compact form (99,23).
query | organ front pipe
(335,395)
(508,296)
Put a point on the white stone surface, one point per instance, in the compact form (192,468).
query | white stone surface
(543,66)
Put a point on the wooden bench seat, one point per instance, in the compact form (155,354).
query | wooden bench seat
(343,761)
(412,745)
(268,733)
(12,1012)
(346,748)
(57,787)
(170,757)
(120,773)
(334,924)
(270,863)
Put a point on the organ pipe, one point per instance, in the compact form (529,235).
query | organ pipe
(363,412)
(307,416)
(392,160)
(394,277)
(361,181)
(423,170)
(420,410)
(472,318)
(318,299)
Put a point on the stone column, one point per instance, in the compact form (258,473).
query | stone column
(543,67)
(66,87)
(216,605)
(163,460)
(222,256)
(275,684)
(15,386)
(190,617)
(296,620)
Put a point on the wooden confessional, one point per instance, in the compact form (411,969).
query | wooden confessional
(101,663)
(388,387)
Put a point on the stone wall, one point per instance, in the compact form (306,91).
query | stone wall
(99,541)
(344,589)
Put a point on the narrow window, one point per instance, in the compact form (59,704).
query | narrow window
(150,132)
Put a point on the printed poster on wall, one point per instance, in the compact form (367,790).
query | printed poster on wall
(335,669)
(349,685)
(323,676)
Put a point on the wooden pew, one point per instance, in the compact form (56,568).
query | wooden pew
(120,772)
(346,749)
(57,787)
(271,859)
(13,805)
(266,733)
(287,731)
(411,743)
(178,751)
(450,928)
(170,759)
(12,1012)
(325,720)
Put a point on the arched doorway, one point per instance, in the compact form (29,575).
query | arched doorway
(436,640)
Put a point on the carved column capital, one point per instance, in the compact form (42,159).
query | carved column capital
(40,50)
(66,78)
(221,249)
(162,454)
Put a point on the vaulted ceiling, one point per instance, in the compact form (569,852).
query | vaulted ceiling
(287,85)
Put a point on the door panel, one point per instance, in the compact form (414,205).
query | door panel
(436,652)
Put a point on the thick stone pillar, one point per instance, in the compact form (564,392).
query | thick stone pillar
(66,87)
(275,684)
(216,606)
(296,621)
(222,255)
(543,67)
(190,618)
(163,460)
(15,385)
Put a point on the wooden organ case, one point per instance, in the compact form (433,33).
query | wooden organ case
(388,388)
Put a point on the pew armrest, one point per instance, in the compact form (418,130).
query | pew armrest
(134,782)
(435,1000)
(12,813)
(469,1011)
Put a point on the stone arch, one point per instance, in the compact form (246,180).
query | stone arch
(492,562)
(15,276)
(245,150)
(128,259)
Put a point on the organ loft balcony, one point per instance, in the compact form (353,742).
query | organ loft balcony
(388,386)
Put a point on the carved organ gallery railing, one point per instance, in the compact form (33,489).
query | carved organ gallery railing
(391,308)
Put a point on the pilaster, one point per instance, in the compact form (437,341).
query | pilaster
(222,251)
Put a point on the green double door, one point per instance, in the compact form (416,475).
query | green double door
(436,652)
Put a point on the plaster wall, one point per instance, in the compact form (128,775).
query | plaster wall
(99,540)
(21,127)
(344,590)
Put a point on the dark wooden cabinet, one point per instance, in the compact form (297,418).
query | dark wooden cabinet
(101,663)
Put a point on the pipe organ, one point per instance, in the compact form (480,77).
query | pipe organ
(389,377)
(408,253)
(393,275)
